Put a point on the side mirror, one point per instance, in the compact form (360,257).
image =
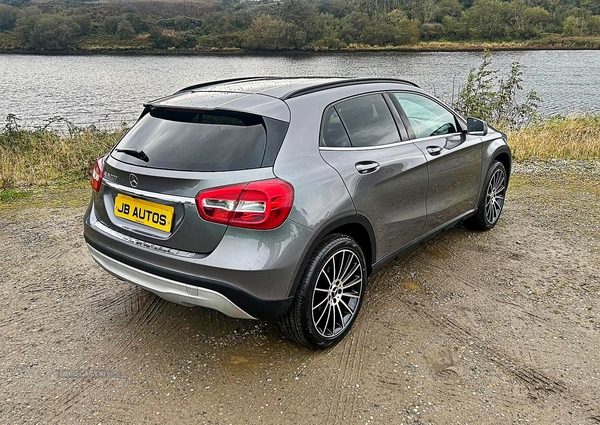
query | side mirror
(477,127)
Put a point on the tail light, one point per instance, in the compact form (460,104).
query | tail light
(97,171)
(263,204)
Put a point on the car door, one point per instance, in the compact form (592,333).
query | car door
(385,174)
(453,156)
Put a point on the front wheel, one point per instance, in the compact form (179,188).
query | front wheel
(330,294)
(491,203)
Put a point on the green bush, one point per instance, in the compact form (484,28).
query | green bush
(328,43)
(209,42)
(163,39)
(497,100)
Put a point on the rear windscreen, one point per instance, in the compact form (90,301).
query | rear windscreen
(194,141)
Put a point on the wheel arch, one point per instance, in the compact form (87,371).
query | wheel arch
(494,150)
(504,158)
(358,227)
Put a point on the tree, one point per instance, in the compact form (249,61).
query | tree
(593,25)
(338,8)
(163,39)
(8,17)
(487,19)
(45,32)
(84,24)
(453,29)
(573,26)
(381,32)
(452,8)
(125,30)
(111,23)
(302,14)
(270,33)
(407,31)
(537,18)
(353,27)
(54,32)
(217,23)
(26,23)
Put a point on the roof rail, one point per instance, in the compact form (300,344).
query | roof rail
(229,80)
(343,83)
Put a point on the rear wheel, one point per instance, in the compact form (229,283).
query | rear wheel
(492,201)
(330,294)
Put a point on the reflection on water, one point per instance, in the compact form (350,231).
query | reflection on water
(107,90)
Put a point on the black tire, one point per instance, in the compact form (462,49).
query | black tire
(491,200)
(318,296)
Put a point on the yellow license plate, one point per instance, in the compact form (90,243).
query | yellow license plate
(148,213)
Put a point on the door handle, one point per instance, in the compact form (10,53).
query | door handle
(366,167)
(434,150)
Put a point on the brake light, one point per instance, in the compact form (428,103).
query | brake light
(97,172)
(263,204)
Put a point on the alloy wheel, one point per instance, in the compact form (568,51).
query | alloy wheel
(337,292)
(494,200)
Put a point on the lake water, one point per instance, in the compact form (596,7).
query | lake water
(106,90)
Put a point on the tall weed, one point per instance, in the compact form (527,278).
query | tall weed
(498,100)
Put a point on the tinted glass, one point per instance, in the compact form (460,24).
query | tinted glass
(426,117)
(368,120)
(333,133)
(196,141)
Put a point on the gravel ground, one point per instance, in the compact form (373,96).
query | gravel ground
(495,327)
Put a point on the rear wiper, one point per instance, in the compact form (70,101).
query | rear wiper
(140,154)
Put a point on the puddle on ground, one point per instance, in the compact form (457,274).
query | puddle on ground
(238,360)
(410,286)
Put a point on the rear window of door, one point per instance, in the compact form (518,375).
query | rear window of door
(367,121)
(196,140)
(426,117)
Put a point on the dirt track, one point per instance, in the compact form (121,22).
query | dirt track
(497,327)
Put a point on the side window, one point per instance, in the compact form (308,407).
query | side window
(427,118)
(368,121)
(333,133)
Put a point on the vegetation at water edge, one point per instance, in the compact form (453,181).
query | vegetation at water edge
(41,156)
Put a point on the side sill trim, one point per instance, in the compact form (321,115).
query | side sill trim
(421,240)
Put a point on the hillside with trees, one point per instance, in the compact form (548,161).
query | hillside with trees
(80,25)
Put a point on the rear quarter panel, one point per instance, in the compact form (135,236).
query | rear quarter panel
(320,195)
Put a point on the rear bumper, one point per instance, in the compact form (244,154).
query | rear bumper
(170,290)
(249,275)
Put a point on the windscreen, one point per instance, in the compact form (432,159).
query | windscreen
(194,141)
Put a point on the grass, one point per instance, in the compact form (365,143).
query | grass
(573,137)
(14,194)
(104,43)
(44,158)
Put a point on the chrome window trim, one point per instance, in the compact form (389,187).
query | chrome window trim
(404,142)
(439,136)
(147,194)
(364,148)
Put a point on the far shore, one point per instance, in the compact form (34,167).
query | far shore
(416,48)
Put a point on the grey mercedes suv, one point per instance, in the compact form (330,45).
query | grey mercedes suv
(270,197)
